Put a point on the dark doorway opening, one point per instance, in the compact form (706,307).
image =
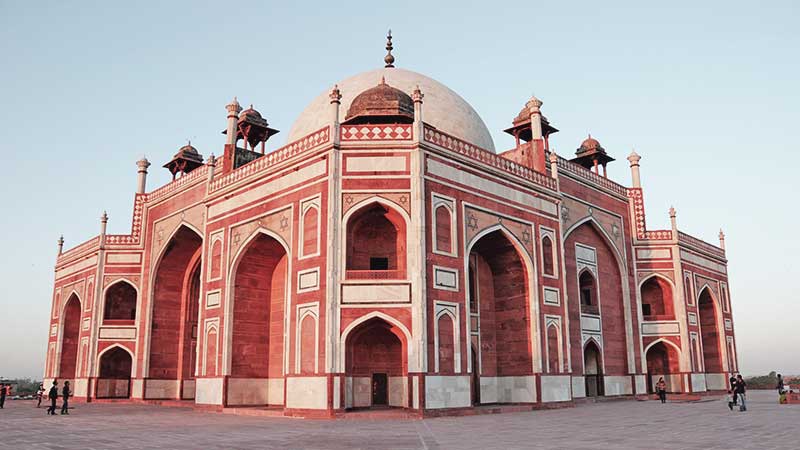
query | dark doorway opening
(380,392)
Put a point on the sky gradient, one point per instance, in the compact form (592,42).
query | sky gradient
(707,95)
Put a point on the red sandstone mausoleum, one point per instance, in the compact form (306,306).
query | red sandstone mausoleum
(387,256)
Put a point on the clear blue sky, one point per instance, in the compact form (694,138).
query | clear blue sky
(708,95)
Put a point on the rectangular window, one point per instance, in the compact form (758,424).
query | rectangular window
(379,264)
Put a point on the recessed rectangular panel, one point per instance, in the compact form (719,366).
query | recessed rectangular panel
(376,293)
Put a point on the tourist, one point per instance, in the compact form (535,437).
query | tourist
(735,393)
(39,395)
(661,389)
(65,393)
(780,384)
(729,399)
(2,395)
(53,396)
(741,387)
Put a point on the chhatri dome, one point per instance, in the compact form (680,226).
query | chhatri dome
(443,108)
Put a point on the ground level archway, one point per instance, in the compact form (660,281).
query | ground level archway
(376,365)
(114,374)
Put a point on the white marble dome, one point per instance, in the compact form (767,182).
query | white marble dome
(442,108)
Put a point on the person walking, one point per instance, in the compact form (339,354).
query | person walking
(661,389)
(733,388)
(65,393)
(2,395)
(39,395)
(52,396)
(780,384)
(741,387)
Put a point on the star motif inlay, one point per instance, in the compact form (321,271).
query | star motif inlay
(236,238)
(472,222)
(564,212)
(348,199)
(526,236)
(403,199)
(284,223)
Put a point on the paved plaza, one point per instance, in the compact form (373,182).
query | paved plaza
(606,425)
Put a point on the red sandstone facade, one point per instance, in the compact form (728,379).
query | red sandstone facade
(388,259)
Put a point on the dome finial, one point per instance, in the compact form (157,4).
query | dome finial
(389,59)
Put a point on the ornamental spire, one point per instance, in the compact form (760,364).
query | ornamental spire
(389,59)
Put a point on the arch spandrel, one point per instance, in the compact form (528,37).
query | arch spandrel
(400,199)
(193,218)
(476,221)
(644,275)
(574,212)
(278,222)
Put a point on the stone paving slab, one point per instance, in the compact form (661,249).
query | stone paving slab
(606,425)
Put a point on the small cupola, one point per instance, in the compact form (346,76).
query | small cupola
(381,104)
(521,126)
(186,160)
(592,155)
(253,129)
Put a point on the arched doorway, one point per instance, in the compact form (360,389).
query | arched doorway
(259,298)
(657,303)
(120,303)
(173,328)
(709,333)
(499,311)
(376,365)
(593,370)
(663,361)
(70,337)
(114,375)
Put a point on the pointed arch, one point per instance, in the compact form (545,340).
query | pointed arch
(69,330)
(662,308)
(712,334)
(532,289)
(622,268)
(166,333)
(114,369)
(665,341)
(124,298)
(371,315)
(389,251)
(233,268)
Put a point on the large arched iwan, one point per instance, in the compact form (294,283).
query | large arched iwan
(175,308)
(610,302)
(71,329)
(709,332)
(259,293)
(501,286)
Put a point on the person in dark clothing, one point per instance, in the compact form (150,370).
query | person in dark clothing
(735,394)
(661,389)
(2,395)
(53,396)
(780,384)
(65,394)
(741,387)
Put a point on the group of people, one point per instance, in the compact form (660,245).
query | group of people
(52,395)
(736,394)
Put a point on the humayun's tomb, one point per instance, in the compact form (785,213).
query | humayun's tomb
(388,256)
